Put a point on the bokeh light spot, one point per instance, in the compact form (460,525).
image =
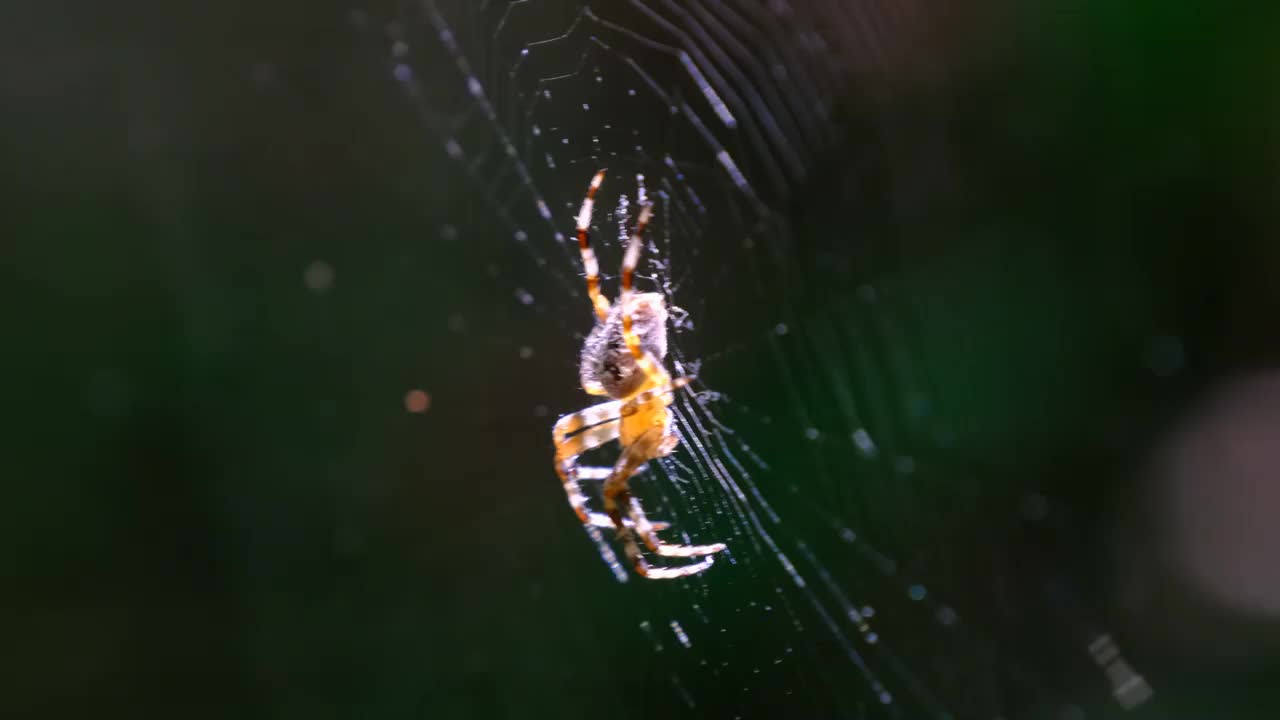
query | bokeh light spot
(417,401)
(318,276)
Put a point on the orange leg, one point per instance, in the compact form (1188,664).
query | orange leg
(647,364)
(589,263)
(617,493)
(575,434)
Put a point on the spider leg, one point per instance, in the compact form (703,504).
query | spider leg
(576,433)
(648,532)
(647,364)
(594,426)
(602,520)
(645,527)
(665,389)
(567,452)
(617,492)
(589,263)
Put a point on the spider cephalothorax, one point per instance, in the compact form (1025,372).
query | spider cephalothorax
(622,358)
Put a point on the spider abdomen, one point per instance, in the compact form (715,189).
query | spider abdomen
(606,360)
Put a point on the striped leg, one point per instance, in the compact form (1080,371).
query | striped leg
(589,263)
(648,532)
(575,434)
(617,492)
(567,451)
(649,365)
(585,430)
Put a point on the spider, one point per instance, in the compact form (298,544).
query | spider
(622,359)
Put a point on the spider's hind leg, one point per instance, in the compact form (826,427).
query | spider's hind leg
(601,520)
(574,435)
(617,492)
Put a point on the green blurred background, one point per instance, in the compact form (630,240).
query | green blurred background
(217,504)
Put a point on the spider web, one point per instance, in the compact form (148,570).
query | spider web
(813,441)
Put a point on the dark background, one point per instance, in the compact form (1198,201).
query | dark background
(217,504)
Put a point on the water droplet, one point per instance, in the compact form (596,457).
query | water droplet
(864,443)
(681,635)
